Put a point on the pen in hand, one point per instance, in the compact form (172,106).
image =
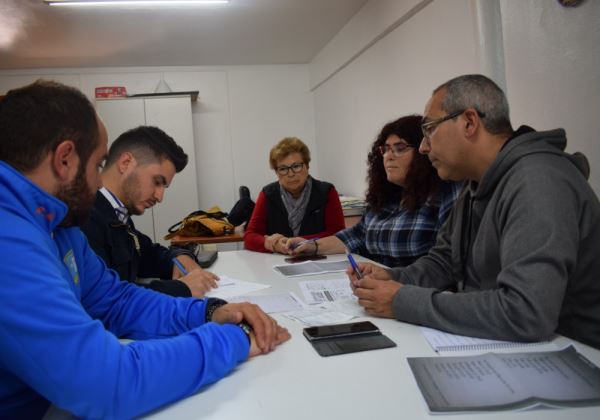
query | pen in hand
(358,273)
(180,266)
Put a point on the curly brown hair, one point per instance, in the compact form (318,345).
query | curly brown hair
(421,179)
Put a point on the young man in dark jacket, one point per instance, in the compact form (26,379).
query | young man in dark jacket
(140,166)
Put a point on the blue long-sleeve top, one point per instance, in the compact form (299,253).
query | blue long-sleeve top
(62,312)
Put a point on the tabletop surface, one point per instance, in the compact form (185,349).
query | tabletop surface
(294,382)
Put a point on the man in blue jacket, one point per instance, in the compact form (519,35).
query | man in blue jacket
(61,309)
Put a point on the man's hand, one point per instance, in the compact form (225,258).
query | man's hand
(188,263)
(265,330)
(282,335)
(376,295)
(367,270)
(200,282)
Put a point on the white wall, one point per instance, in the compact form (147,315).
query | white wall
(552,57)
(385,62)
(430,42)
(242,111)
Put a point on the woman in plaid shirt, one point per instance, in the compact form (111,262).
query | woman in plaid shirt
(407,202)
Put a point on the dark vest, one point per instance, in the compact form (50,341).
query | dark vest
(314,217)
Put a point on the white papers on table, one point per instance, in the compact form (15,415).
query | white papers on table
(230,287)
(327,313)
(442,341)
(311,267)
(317,291)
(273,303)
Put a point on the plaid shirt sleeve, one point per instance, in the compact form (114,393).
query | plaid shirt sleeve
(354,237)
(395,236)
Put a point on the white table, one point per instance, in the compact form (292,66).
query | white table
(294,382)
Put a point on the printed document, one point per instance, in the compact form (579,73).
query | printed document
(327,313)
(507,381)
(317,291)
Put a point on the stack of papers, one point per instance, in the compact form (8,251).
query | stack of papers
(352,206)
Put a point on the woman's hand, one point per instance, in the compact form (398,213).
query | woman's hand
(276,243)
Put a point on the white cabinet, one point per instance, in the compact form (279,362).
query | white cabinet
(173,115)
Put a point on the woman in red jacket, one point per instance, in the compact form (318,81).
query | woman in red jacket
(295,205)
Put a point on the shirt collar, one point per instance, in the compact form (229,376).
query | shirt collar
(112,199)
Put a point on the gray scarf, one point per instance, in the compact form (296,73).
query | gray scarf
(296,207)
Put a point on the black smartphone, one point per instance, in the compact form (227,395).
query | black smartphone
(302,258)
(340,330)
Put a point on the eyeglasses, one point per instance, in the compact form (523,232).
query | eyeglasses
(429,127)
(295,167)
(397,149)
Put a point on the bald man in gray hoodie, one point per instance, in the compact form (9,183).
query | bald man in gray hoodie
(518,258)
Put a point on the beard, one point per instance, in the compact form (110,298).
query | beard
(131,193)
(79,198)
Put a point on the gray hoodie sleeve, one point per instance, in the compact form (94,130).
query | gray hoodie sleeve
(522,257)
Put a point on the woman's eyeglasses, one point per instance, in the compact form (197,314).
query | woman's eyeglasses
(397,149)
(284,170)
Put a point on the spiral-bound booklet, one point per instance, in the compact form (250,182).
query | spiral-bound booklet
(442,342)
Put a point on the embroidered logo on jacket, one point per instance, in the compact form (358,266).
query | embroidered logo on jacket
(69,261)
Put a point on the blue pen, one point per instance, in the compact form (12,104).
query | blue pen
(180,266)
(359,275)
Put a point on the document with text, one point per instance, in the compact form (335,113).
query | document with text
(507,381)
(311,267)
(327,313)
(317,291)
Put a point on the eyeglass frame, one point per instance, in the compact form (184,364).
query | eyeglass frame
(384,148)
(438,121)
(299,165)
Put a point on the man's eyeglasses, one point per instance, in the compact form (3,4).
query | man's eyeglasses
(397,149)
(429,127)
(284,170)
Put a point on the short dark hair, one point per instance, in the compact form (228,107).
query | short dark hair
(421,179)
(36,118)
(479,92)
(148,145)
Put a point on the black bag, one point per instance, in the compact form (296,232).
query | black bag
(242,210)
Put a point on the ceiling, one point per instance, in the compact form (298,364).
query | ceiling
(243,32)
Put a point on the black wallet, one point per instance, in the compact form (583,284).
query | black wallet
(330,340)
(332,347)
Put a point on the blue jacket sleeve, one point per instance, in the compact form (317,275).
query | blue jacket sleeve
(58,346)
(130,311)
